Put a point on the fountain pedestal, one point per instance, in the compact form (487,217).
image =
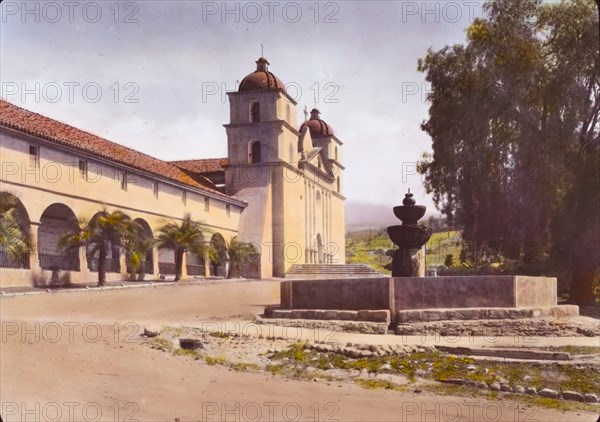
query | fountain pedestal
(409,237)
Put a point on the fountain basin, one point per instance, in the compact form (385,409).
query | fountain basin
(409,214)
(409,236)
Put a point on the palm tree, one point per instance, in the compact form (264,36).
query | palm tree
(13,240)
(240,253)
(100,233)
(137,248)
(182,237)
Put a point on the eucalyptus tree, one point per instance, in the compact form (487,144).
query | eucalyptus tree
(514,120)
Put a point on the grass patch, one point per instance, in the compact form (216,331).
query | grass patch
(219,334)
(375,384)
(162,344)
(274,369)
(217,360)
(187,352)
(243,366)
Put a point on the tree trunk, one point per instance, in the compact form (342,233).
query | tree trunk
(598,5)
(102,266)
(178,264)
(582,285)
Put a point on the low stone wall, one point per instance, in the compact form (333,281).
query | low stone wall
(340,294)
(418,293)
(473,292)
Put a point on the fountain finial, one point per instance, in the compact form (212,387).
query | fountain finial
(408,199)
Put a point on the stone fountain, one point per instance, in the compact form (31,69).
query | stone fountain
(410,303)
(410,237)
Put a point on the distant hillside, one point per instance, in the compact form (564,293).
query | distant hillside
(362,215)
(370,246)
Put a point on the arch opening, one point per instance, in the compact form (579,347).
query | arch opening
(141,261)
(218,255)
(196,261)
(16,227)
(112,264)
(254,116)
(56,221)
(255,152)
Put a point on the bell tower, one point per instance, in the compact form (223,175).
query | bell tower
(262,114)
(290,177)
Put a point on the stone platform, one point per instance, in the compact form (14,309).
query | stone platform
(465,314)
(382,315)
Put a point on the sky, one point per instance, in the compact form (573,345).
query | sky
(152,75)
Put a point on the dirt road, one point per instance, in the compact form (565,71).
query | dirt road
(71,356)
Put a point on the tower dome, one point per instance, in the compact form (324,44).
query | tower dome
(318,128)
(261,79)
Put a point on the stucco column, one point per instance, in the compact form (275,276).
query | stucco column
(123,263)
(155,268)
(34,261)
(206,260)
(184,273)
(83,274)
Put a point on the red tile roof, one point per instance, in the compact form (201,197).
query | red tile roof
(25,121)
(203,166)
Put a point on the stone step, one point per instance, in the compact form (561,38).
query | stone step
(331,270)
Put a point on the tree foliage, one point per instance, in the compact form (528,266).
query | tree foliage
(181,237)
(14,241)
(103,231)
(514,122)
(240,254)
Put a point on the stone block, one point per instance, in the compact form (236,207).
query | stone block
(519,389)
(280,313)
(497,313)
(347,315)
(373,315)
(309,314)
(331,315)
(495,386)
(151,331)
(548,392)
(573,395)
(190,343)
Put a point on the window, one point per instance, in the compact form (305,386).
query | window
(228,210)
(338,185)
(155,189)
(206,204)
(83,169)
(336,155)
(123,179)
(184,198)
(34,156)
(254,112)
(255,152)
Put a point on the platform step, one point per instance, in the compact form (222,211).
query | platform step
(332,270)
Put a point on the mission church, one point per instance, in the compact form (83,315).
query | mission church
(280,188)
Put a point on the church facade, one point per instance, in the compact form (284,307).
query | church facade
(279,188)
